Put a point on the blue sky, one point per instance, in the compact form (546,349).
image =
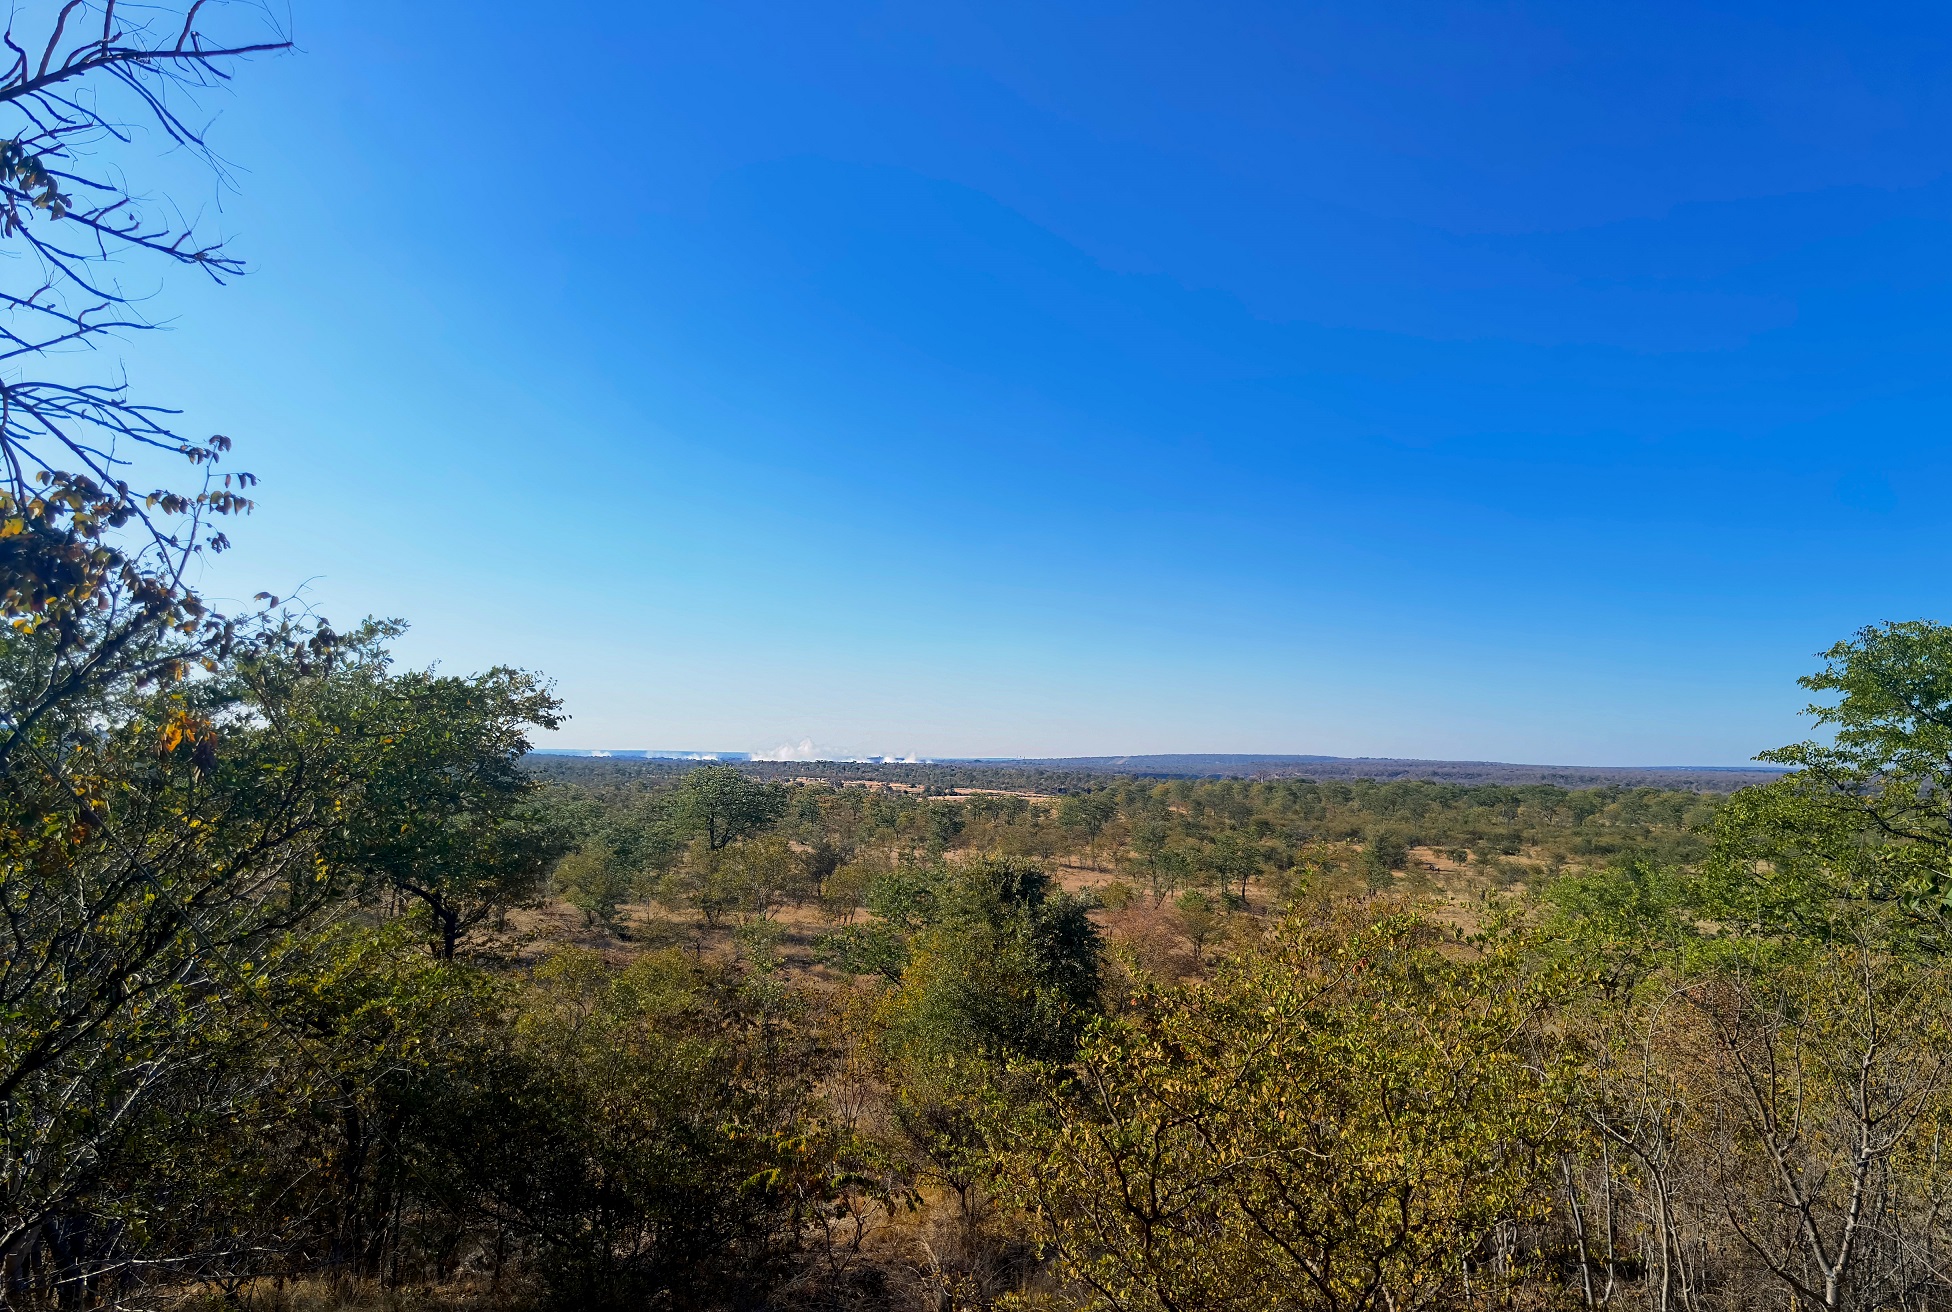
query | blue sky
(1528,382)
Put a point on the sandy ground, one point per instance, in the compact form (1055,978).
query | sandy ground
(1451,894)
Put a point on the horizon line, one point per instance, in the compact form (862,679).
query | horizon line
(1294,758)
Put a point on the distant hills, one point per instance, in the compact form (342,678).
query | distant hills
(1210,765)
(1705,778)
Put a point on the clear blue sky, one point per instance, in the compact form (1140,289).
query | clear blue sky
(1531,382)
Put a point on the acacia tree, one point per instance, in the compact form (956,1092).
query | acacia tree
(1235,860)
(722,806)
(450,821)
(1088,814)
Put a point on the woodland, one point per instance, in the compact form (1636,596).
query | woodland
(319,991)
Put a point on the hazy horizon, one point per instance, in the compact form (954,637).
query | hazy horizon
(791,753)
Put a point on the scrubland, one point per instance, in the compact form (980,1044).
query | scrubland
(608,1038)
(319,993)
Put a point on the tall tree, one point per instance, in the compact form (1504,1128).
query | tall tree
(722,806)
(1867,816)
(1088,814)
(448,817)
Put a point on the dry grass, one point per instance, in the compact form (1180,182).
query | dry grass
(352,1296)
(1453,894)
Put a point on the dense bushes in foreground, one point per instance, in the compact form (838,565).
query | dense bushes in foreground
(266,1021)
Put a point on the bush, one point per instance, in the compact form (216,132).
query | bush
(646,1131)
(595,883)
(1336,1120)
(1117,895)
(872,949)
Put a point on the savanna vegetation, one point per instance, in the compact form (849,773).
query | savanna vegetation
(314,994)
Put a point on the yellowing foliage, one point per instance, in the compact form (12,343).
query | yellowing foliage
(1339,1120)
